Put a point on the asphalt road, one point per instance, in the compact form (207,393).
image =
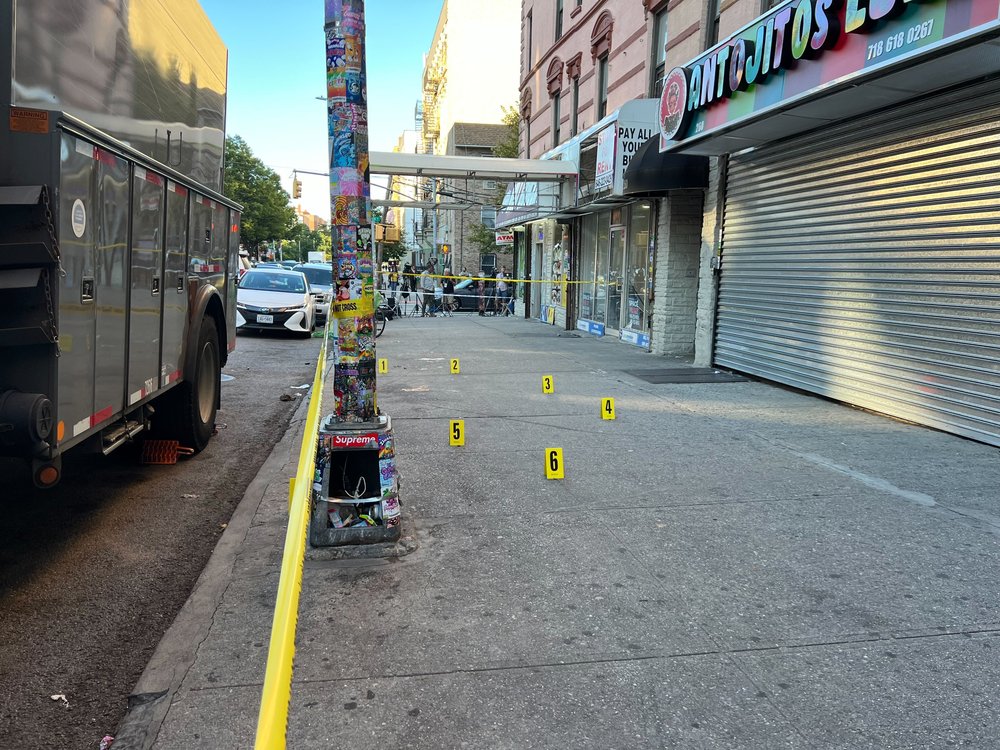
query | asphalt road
(93,572)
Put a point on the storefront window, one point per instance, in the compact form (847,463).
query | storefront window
(637,270)
(588,246)
(560,265)
(616,259)
(601,277)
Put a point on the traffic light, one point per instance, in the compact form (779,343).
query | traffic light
(296,188)
(445,249)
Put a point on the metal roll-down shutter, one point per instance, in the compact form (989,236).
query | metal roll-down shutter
(863,262)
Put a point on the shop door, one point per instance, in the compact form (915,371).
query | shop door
(601,269)
(637,270)
(615,285)
(865,265)
(536,275)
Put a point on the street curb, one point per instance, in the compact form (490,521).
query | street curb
(178,648)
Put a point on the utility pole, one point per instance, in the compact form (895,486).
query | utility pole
(357,500)
(351,220)
(434,220)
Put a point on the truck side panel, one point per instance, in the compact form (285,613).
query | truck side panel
(175,296)
(233,272)
(110,292)
(146,294)
(78,212)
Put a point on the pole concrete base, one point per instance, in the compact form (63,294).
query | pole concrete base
(356,493)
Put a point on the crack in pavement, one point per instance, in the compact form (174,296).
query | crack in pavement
(786,648)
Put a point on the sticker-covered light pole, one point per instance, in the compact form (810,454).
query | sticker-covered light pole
(350,211)
(357,499)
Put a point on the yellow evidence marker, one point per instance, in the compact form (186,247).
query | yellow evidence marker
(607,408)
(383,366)
(455,369)
(456,435)
(548,385)
(554,463)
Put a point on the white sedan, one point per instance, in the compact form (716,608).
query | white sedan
(275,299)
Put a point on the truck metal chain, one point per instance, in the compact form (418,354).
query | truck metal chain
(46,276)
(50,225)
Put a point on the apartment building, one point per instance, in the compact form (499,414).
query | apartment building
(843,239)
(470,74)
(457,226)
(591,72)
(409,221)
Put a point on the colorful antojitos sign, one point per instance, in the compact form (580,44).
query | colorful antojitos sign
(802,45)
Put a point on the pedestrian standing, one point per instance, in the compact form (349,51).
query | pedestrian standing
(502,296)
(449,296)
(406,285)
(490,294)
(427,289)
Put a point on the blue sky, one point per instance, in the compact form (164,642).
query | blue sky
(277,68)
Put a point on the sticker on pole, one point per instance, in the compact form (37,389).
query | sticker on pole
(383,365)
(548,385)
(456,433)
(554,463)
(455,369)
(607,408)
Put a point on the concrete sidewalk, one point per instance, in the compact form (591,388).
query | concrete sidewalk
(726,565)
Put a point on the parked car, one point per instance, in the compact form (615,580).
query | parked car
(320,276)
(275,299)
(466,295)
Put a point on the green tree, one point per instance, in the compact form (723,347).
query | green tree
(510,146)
(250,182)
(483,239)
(301,240)
(393,250)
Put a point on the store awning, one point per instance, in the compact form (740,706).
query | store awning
(651,173)
(470,167)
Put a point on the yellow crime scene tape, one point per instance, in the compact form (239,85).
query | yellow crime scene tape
(493,278)
(272,721)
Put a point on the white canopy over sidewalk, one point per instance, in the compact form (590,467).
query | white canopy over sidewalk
(470,167)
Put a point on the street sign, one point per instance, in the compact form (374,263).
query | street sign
(504,238)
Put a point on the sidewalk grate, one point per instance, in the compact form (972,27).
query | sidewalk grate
(660,376)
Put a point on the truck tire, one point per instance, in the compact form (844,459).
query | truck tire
(191,406)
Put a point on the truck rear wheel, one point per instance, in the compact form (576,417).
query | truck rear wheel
(190,408)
